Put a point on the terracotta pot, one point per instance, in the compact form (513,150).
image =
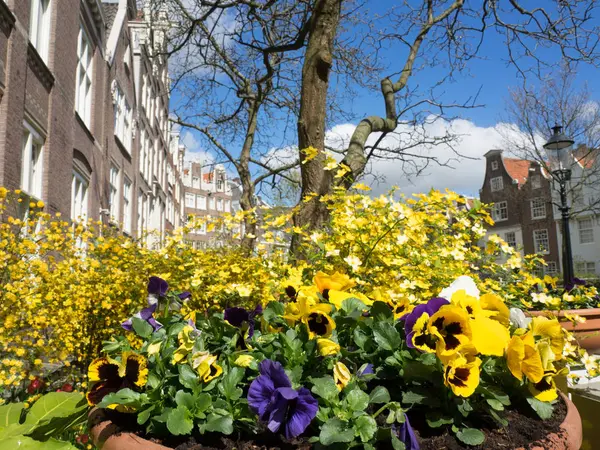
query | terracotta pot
(107,437)
(587,333)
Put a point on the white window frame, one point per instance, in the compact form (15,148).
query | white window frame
(551,268)
(538,208)
(39,26)
(510,237)
(211,203)
(585,267)
(585,227)
(220,204)
(227,206)
(123,116)
(536,181)
(190,200)
(127,204)
(114,192)
(32,166)
(494,165)
(539,239)
(84,76)
(79,196)
(201,202)
(497,211)
(496,184)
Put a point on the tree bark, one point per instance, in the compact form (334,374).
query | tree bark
(247,199)
(313,110)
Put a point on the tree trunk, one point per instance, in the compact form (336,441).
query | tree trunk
(313,109)
(247,199)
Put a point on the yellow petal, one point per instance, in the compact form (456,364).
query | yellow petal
(489,337)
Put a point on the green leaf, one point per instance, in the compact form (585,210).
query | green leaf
(186,399)
(187,377)
(543,409)
(325,388)
(436,420)
(360,338)
(397,444)
(125,397)
(10,414)
(203,402)
(141,327)
(27,443)
(219,424)
(470,436)
(386,335)
(365,427)
(464,407)
(144,415)
(495,404)
(411,397)
(54,404)
(179,421)
(357,400)
(334,430)
(379,395)
(228,386)
(352,304)
(381,311)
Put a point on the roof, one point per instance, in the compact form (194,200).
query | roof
(110,12)
(518,169)
(586,157)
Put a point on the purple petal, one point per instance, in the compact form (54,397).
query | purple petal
(301,414)
(435,304)
(259,395)
(407,435)
(258,310)
(409,339)
(278,408)
(146,313)
(128,325)
(275,372)
(157,286)
(411,319)
(155,324)
(368,370)
(185,295)
(250,328)
(236,316)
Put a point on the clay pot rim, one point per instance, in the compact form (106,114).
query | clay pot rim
(561,312)
(571,426)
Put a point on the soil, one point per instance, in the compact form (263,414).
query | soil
(524,430)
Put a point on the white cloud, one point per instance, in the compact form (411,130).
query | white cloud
(194,151)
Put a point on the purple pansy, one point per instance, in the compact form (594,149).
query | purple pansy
(184,295)
(431,307)
(406,434)
(271,397)
(144,314)
(574,282)
(236,316)
(366,369)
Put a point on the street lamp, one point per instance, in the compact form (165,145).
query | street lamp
(559,149)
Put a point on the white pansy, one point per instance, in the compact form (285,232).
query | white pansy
(462,283)
(518,318)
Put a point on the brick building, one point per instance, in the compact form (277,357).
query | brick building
(521,194)
(84,112)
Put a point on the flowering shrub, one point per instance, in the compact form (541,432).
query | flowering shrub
(331,365)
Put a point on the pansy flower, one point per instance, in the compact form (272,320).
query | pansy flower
(336,282)
(341,375)
(545,389)
(146,315)
(550,331)
(271,397)
(415,325)
(242,318)
(206,366)
(406,434)
(327,347)
(157,288)
(186,344)
(523,358)
(451,327)
(401,307)
(108,375)
(461,371)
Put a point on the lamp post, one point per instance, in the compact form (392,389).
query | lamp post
(559,149)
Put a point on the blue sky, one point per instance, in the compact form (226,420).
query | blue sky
(490,76)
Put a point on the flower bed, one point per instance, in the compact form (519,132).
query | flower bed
(333,366)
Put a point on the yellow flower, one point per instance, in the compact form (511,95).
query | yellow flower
(422,337)
(318,324)
(336,282)
(550,331)
(495,304)
(489,337)
(327,347)
(244,360)
(336,298)
(451,326)
(186,344)
(154,348)
(522,358)
(206,366)
(341,375)
(545,389)
(461,373)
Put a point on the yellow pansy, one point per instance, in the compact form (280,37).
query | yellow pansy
(549,330)
(186,344)
(244,360)
(495,304)
(422,337)
(341,375)
(545,389)
(153,349)
(451,326)
(489,336)
(523,358)
(337,282)
(462,370)
(327,347)
(318,324)
(336,298)
(206,366)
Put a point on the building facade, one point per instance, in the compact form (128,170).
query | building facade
(84,112)
(521,194)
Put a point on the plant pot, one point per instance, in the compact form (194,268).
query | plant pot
(587,333)
(106,435)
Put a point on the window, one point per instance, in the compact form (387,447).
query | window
(39,27)
(196,182)
(552,267)
(127,206)
(201,201)
(219,204)
(500,212)
(189,200)
(494,165)
(79,197)
(511,239)
(113,195)
(496,184)
(142,215)
(536,182)
(586,231)
(540,241)
(227,206)
(123,119)
(33,162)
(220,184)
(143,154)
(83,88)
(585,268)
(211,203)
(538,208)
